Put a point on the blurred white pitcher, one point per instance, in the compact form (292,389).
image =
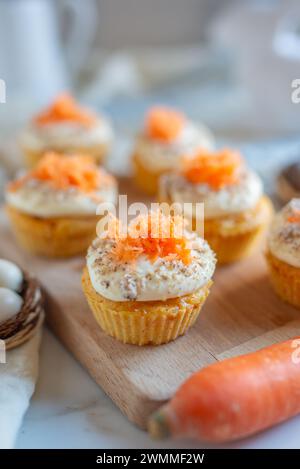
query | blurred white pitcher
(32,57)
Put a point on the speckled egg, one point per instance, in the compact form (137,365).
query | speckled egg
(11,275)
(10,304)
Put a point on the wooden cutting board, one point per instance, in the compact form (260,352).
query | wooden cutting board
(241,314)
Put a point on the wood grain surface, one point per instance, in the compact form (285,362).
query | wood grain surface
(241,314)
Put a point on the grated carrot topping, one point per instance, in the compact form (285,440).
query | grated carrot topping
(295,218)
(63,172)
(216,169)
(146,235)
(164,123)
(65,108)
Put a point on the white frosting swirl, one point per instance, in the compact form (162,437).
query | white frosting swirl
(157,155)
(144,280)
(284,236)
(61,135)
(231,199)
(38,198)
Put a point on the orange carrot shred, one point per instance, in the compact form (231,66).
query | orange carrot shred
(295,217)
(146,235)
(65,108)
(63,172)
(216,169)
(164,123)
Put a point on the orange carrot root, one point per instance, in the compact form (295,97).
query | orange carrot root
(235,398)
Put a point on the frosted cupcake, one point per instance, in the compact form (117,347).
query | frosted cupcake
(66,127)
(236,212)
(283,253)
(145,289)
(167,136)
(52,208)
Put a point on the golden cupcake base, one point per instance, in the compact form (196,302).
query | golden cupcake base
(233,248)
(147,181)
(285,279)
(235,238)
(53,237)
(145,322)
(97,152)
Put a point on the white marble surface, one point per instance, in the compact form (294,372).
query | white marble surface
(70,411)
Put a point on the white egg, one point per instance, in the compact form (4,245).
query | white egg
(10,304)
(10,275)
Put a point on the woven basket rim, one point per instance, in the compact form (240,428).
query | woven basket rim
(30,312)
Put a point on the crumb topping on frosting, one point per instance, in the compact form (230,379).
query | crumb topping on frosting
(284,237)
(146,277)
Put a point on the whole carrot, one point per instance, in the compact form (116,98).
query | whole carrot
(234,398)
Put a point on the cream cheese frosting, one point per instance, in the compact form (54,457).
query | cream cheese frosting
(61,135)
(284,236)
(38,198)
(231,199)
(157,155)
(144,280)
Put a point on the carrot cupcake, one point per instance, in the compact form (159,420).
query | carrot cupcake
(283,253)
(52,208)
(167,135)
(148,288)
(66,127)
(235,210)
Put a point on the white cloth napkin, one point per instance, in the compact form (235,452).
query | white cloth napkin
(17,383)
